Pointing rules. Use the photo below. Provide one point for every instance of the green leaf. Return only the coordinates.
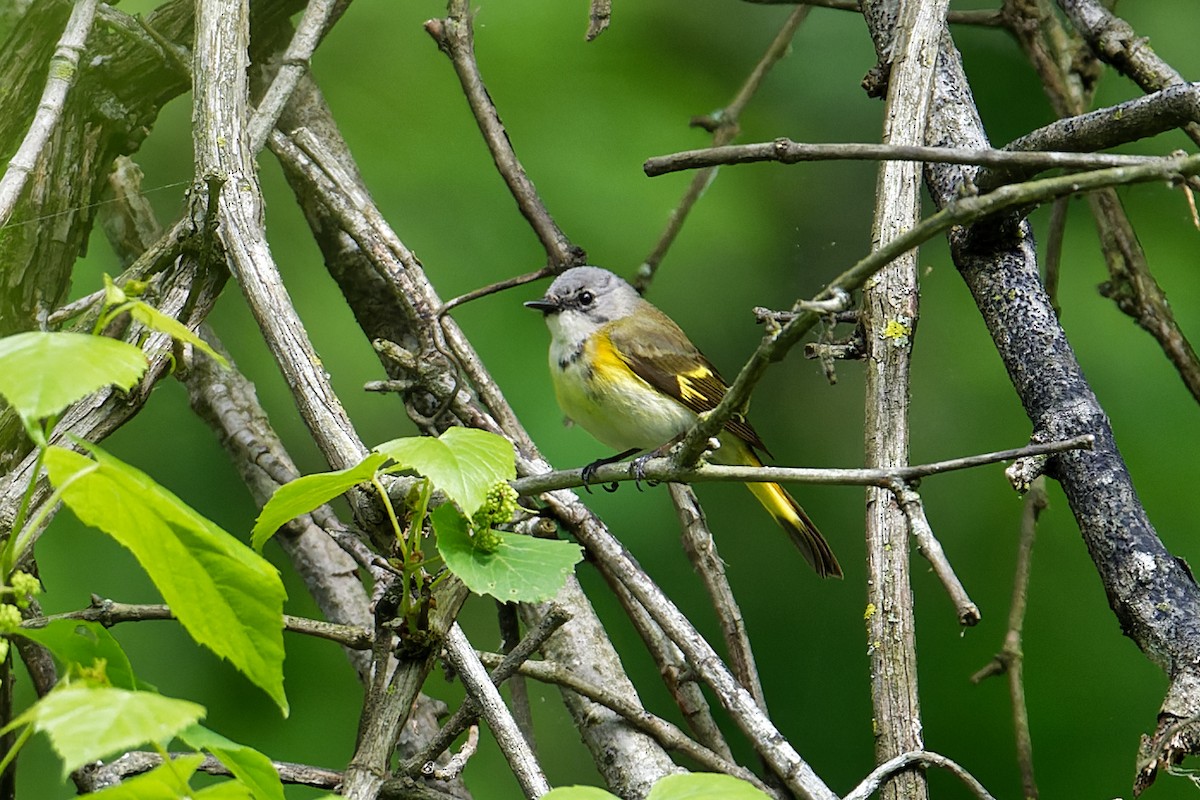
(85, 645)
(514, 568)
(229, 790)
(248, 765)
(462, 462)
(579, 793)
(86, 723)
(307, 493)
(42, 373)
(226, 596)
(704, 786)
(154, 319)
(164, 782)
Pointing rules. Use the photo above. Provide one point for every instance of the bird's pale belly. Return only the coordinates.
(618, 408)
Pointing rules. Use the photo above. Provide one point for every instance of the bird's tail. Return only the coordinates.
(783, 507)
(804, 534)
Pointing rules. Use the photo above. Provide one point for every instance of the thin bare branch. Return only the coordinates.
(958, 212)
(504, 728)
(872, 782)
(982, 17)
(64, 67)
(679, 678)
(724, 127)
(1011, 658)
(698, 543)
(138, 762)
(423, 762)
(785, 151)
(664, 469)
(294, 64)
(739, 703)
(599, 16)
(665, 733)
(456, 38)
(109, 613)
(929, 547)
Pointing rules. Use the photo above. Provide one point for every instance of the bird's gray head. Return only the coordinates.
(588, 293)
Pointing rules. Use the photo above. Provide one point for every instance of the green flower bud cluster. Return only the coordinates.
(498, 507)
(24, 586)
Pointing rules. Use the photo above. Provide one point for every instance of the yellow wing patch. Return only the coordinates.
(695, 387)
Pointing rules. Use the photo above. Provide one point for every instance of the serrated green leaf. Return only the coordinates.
(229, 790)
(462, 462)
(164, 782)
(85, 644)
(704, 786)
(154, 319)
(519, 568)
(307, 493)
(42, 373)
(248, 765)
(579, 793)
(229, 598)
(86, 723)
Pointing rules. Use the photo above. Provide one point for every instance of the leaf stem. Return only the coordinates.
(10, 548)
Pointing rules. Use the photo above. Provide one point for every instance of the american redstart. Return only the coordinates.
(631, 377)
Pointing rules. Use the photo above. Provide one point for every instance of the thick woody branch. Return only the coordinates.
(293, 65)
(982, 17)
(890, 311)
(224, 162)
(1153, 597)
(227, 402)
(1173, 107)
(1118, 44)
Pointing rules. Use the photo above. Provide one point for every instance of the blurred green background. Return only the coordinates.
(583, 117)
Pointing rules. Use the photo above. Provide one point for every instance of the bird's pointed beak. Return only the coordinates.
(547, 305)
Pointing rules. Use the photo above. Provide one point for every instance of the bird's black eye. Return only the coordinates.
(586, 298)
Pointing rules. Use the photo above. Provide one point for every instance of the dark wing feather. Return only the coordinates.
(660, 353)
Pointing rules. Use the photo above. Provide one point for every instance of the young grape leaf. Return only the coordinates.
(86, 645)
(579, 793)
(512, 568)
(164, 782)
(307, 493)
(462, 462)
(248, 765)
(229, 598)
(229, 790)
(41, 373)
(704, 786)
(154, 319)
(86, 723)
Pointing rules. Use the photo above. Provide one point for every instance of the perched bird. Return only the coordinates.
(631, 377)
